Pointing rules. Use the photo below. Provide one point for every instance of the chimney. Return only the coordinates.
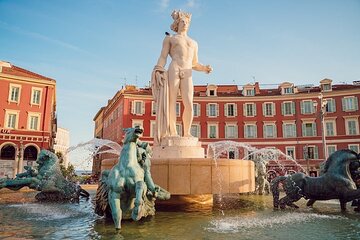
(257, 88)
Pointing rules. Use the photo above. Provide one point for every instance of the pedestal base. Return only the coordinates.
(178, 147)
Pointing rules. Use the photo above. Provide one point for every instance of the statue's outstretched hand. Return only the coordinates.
(208, 69)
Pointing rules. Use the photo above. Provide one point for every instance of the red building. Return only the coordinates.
(288, 117)
(27, 117)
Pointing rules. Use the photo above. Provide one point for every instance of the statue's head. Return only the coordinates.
(46, 158)
(181, 20)
(132, 134)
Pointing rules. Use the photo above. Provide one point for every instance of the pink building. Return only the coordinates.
(287, 117)
(27, 117)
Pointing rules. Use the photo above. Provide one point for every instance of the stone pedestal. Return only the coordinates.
(178, 147)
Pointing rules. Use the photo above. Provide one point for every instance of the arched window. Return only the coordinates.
(30, 153)
(8, 152)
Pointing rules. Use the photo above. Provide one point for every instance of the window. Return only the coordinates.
(137, 123)
(307, 107)
(350, 104)
(179, 129)
(268, 109)
(196, 109)
(212, 131)
(351, 127)
(11, 119)
(330, 105)
(288, 108)
(250, 92)
(233, 153)
(250, 131)
(288, 90)
(231, 131)
(34, 121)
(309, 129)
(331, 149)
(178, 109)
(212, 110)
(269, 131)
(354, 147)
(250, 109)
(230, 110)
(36, 96)
(137, 107)
(289, 130)
(311, 152)
(290, 151)
(153, 108)
(212, 93)
(14, 93)
(195, 130)
(326, 87)
(330, 128)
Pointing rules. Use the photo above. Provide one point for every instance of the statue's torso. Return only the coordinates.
(182, 49)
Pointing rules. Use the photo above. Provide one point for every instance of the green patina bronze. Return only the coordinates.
(336, 182)
(128, 190)
(46, 178)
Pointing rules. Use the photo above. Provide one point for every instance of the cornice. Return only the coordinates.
(20, 79)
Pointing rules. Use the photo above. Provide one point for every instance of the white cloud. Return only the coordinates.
(42, 37)
(164, 4)
(191, 3)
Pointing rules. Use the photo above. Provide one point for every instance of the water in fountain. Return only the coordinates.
(82, 154)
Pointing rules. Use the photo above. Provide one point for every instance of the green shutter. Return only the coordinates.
(302, 107)
(283, 109)
(314, 129)
(356, 103)
(343, 104)
(303, 130)
(316, 152)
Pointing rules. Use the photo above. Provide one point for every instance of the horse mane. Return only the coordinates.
(332, 158)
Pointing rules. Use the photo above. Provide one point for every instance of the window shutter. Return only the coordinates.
(343, 104)
(314, 129)
(132, 103)
(235, 109)
(302, 107)
(226, 109)
(142, 107)
(264, 109)
(293, 107)
(283, 109)
(305, 153)
(236, 131)
(283, 129)
(244, 110)
(264, 131)
(316, 152)
(254, 109)
(198, 109)
(255, 131)
(356, 103)
(226, 131)
(274, 109)
(207, 109)
(217, 109)
(303, 130)
(198, 130)
(293, 129)
(275, 131)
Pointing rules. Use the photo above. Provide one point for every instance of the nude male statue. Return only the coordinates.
(184, 54)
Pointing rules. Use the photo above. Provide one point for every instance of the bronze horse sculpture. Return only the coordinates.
(128, 190)
(335, 183)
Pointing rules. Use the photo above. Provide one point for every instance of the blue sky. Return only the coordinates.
(90, 47)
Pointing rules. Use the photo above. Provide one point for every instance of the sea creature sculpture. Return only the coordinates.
(262, 185)
(127, 190)
(335, 183)
(46, 178)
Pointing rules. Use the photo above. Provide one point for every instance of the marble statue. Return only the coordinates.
(127, 190)
(46, 178)
(262, 185)
(335, 183)
(166, 84)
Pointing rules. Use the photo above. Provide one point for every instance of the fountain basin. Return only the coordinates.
(192, 176)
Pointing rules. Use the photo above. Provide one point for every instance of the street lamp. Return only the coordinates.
(323, 103)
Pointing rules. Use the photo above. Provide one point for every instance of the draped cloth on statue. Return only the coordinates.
(160, 92)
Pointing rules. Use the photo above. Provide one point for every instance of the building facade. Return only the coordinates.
(27, 117)
(62, 144)
(290, 118)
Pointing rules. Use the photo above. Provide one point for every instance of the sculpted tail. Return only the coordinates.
(274, 187)
(101, 203)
